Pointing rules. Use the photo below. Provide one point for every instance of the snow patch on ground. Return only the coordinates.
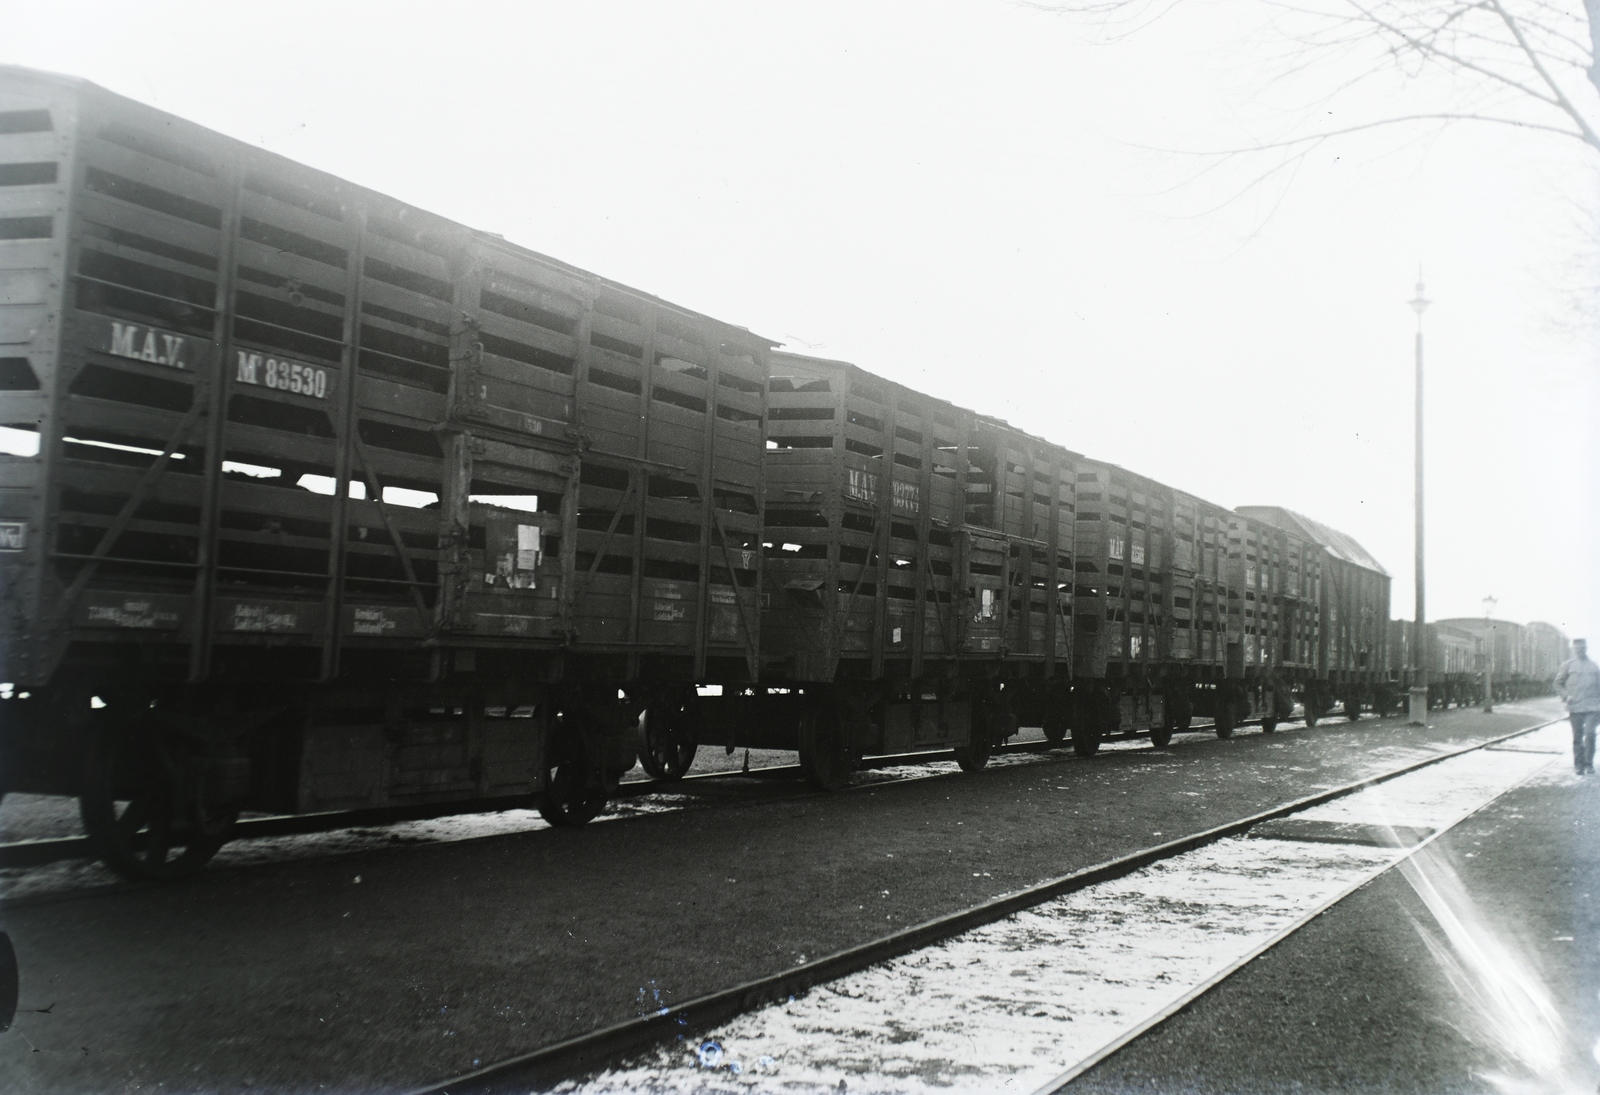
(58, 815)
(1018, 1003)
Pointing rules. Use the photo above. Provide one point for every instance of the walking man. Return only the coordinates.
(1578, 682)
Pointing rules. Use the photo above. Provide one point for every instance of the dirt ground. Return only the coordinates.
(385, 969)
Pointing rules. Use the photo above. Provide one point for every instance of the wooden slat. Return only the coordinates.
(287, 264)
(401, 400)
(167, 176)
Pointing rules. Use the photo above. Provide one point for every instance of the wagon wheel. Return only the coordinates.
(1055, 726)
(1312, 705)
(825, 755)
(1175, 714)
(1090, 725)
(975, 754)
(144, 809)
(1182, 710)
(1269, 724)
(668, 745)
(993, 721)
(1161, 732)
(1352, 708)
(567, 799)
(1282, 706)
(1225, 718)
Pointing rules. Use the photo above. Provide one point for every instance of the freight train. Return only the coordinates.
(1521, 658)
(317, 501)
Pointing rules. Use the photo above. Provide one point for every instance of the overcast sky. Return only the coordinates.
(997, 205)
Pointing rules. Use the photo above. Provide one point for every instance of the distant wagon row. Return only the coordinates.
(1520, 659)
(333, 503)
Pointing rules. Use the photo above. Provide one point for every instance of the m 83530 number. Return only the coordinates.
(281, 375)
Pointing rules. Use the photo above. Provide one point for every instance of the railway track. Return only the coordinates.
(43, 851)
(588, 1054)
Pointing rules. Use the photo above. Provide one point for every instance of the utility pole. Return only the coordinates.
(1419, 645)
(1488, 655)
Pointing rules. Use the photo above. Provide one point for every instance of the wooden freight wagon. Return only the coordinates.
(1522, 659)
(329, 502)
(1179, 605)
(1457, 667)
(1133, 653)
(917, 584)
(1351, 593)
(1453, 657)
(1200, 563)
(1546, 649)
(1273, 618)
(1525, 657)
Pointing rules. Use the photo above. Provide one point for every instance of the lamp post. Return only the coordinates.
(1488, 656)
(1419, 659)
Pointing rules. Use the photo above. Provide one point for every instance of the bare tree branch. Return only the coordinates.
(1328, 134)
(1451, 58)
(1503, 54)
(1565, 104)
(1592, 9)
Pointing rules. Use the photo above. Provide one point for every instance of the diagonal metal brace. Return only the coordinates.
(752, 656)
(605, 542)
(375, 494)
(1066, 624)
(938, 606)
(844, 617)
(180, 434)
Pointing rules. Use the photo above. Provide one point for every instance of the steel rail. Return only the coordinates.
(37, 852)
(40, 851)
(33, 853)
(587, 1053)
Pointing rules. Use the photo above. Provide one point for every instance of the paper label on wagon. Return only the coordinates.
(268, 618)
(372, 621)
(13, 535)
(139, 342)
(666, 589)
(138, 614)
(282, 375)
(527, 547)
(380, 620)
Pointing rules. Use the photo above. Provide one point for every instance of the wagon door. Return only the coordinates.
(513, 577)
(503, 542)
(982, 562)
